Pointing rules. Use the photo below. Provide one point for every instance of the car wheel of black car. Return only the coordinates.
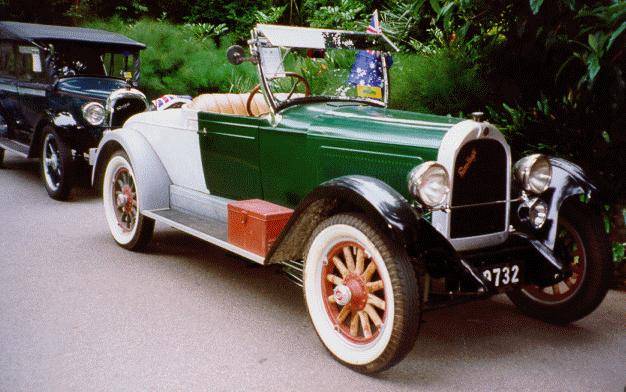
(361, 292)
(129, 227)
(582, 242)
(57, 164)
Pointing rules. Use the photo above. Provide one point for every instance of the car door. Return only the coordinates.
(229, 148)
(8, 86)
(32, 88)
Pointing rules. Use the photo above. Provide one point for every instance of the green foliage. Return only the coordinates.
(178, 61)
(442, 82)
(344, 14)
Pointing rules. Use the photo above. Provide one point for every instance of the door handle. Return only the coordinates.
(203, 132)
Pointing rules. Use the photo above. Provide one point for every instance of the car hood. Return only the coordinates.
(93, 87)
(376, 124)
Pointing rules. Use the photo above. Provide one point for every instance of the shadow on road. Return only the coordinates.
(477, 332)
(29, 170)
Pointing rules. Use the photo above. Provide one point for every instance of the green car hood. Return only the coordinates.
(350, 138)
(371, 124)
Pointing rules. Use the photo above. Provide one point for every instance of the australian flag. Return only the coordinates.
(367, 69)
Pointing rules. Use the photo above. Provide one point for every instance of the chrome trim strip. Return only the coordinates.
(11, 148)
(8, 87)
(31, 91)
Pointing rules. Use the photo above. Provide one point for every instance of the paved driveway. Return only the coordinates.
(79, 313)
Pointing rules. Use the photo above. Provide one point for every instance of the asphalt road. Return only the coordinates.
(79, 313)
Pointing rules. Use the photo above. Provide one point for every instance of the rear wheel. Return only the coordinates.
(129, 228)
(57, 165)
(361, 293)
(581, 242)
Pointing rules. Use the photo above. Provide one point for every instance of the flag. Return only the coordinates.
(367, 69)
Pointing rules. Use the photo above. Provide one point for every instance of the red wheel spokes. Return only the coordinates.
(353, 292)
(125, 199)
(568, 248)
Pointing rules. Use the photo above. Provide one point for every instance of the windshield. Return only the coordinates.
(304, 64)
(329, 74)
(89, 61)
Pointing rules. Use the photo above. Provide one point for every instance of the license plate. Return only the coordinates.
(503, 275)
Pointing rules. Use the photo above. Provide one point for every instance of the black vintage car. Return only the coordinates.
(60, 88)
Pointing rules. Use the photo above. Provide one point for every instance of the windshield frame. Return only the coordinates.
(257, 42)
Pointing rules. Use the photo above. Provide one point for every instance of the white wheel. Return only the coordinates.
(353, 285)
(121, 207)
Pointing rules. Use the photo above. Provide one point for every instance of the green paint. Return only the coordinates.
(247, 157)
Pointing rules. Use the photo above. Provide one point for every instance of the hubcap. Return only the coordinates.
(51, 162)
(354, 293)
(570, 250)
(342, 294)
(125, 197)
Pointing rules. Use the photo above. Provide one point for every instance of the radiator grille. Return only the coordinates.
(479, 176)
(123, 108)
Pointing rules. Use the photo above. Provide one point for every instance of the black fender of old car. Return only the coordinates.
(569, 182)
(392, 213)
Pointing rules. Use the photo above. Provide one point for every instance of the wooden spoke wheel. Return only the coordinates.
(120, 192)
(361, 293)
(354, 292)
(569, 248)
(582, 244)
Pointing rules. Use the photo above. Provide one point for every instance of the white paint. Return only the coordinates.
(173, 134)
(356, 354)
(451, 144)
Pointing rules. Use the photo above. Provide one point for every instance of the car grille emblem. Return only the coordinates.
(471, 158)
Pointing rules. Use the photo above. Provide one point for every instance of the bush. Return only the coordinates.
(178, 61)
(443, 82)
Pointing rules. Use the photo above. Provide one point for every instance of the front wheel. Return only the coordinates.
(57, 165)
(582, 244)
(361, 293)
(129, 228)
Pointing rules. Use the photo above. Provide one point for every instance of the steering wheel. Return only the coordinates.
(300, 79)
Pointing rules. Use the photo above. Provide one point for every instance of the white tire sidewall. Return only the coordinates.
(122, 237)
(349, 352)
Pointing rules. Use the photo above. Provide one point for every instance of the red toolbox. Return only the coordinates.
(255, 224)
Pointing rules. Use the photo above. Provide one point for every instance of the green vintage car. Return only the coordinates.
(379, 214)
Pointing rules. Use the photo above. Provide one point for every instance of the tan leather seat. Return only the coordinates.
(234, 103)
(229, 104)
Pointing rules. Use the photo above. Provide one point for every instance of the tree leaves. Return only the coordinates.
(535, 6)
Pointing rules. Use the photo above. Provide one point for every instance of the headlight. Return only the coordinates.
(429, 183)
(94, 113)
(534, 173)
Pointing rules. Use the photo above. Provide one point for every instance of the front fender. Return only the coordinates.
(379, 202)
(152, 179)
(568, 180)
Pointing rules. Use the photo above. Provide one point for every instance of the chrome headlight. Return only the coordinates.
(94, 113)
(534, 173)
(429, 183)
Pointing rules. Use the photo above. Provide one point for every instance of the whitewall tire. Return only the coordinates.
(361, 293)
(128, 226)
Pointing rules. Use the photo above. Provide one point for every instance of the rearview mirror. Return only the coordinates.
(234, 54)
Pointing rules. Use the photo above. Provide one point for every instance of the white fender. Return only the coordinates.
(152, 179)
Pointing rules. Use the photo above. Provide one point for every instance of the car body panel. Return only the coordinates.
(173, 135)
(283, 160)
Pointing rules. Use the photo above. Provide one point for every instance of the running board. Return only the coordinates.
(16, 147)
(207, 229)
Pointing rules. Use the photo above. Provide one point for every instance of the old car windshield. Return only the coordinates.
(88, 61)
(329, 74)
(300, 64)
